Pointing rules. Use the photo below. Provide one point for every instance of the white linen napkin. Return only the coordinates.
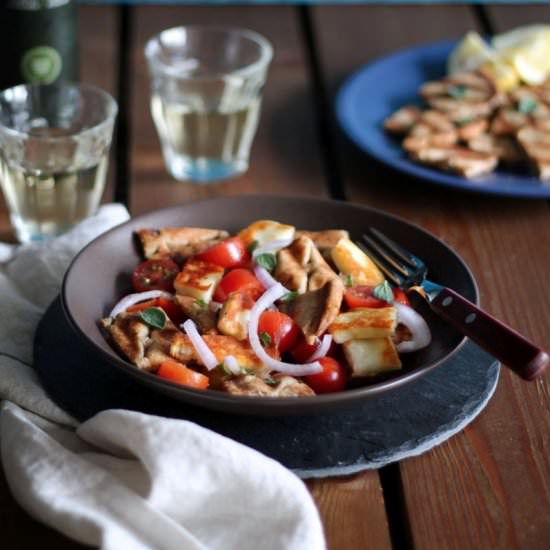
(126, 480)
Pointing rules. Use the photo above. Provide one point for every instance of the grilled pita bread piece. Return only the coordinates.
(402, 120)
(460, 160)
(178, 241)
(504, 147)
(508, 121)
(414, 143)
(472, 129)
(536, 145)
(315, 310)
(465, 96)
(200, 312)
(283, 386)
(301, 267)
(132, 337)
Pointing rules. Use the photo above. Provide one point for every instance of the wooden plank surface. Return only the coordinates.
(489, 486)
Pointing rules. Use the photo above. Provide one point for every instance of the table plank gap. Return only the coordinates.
(398, 520)
(483, 18)
(124, 88)
(353, 512)
(323, 107)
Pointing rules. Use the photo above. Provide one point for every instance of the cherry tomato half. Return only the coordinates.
(174, 312)
(361, 296)
(229, 254)
(238, 280)
(302, 351)
(400, 296)
(332, 378)
(180, 374)
(155, 275)
(283, 331)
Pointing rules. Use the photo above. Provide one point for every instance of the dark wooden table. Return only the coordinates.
(489, 486)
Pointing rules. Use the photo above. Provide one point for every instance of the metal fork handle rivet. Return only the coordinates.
(470, 318)
(447, 301)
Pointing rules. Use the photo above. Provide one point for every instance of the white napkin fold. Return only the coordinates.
(126, 480)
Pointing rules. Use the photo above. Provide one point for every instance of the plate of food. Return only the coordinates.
(473, 114)
(253, 305)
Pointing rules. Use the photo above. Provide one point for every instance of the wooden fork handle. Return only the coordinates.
(508, 346)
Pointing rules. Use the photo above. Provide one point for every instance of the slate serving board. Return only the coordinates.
(388, 428)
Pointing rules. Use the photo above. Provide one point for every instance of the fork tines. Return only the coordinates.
(393, 260)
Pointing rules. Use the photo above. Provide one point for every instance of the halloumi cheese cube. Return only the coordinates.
(234, 316)
(198, 279)
(363, 323)
(371, 357)
(265, 231)
(352, 261)
(180, 348)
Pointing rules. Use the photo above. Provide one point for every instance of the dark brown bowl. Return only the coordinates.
(100, 275)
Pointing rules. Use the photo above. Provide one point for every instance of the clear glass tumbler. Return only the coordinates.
(206, 91)
(54, 148)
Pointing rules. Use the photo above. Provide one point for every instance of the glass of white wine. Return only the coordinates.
(206, 91)
(54, 148)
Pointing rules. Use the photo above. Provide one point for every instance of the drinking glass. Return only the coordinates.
(54, 147)
(206, 91)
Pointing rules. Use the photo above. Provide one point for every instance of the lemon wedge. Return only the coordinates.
(527, 50)
(471, 53)
(503, 74)
(518, 37)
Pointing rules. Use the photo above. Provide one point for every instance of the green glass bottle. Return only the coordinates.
(38, 40)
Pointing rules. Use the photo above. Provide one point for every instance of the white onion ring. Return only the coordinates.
(133, 299)
(271, 246)
(267, 299)
(322, 350)
(201, 347)
(231, 363)
(421, 335)
(265, 278)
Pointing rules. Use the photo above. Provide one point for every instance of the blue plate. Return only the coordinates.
(379, 89)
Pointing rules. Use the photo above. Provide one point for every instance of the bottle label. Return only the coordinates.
(41, 65)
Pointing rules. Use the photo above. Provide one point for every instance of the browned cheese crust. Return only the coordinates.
(178, 241)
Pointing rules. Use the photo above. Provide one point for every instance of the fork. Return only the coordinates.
(406, 270)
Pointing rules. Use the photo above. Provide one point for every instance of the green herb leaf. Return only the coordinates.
(527, 105)
(457, 91)
(154, 317)
(245, 371)
(222, 368)
(267, 261)
(384, 292)
(252, 246)
(265, 338)
(289, 296)
(348, 280)
(201, 303)
(270, 381)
